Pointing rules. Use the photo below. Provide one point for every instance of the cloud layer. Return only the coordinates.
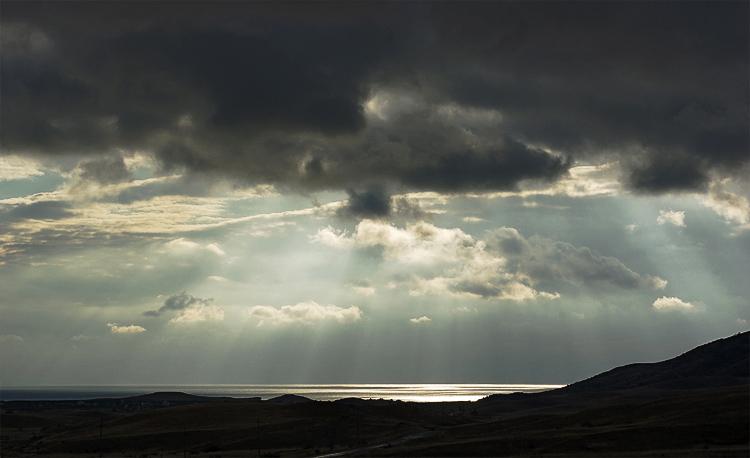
(446, 96)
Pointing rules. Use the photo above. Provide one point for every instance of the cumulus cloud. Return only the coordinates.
(421, 319)
(503, 265)
(336, 98)
(546, 260)
(304, 313)
(132, 329)
(733, 207)
(420, 242)
(665, 303)
(482, 276)
(191, 309)
(200, 311)
(183, 245)
(331, 237)
(672, 217)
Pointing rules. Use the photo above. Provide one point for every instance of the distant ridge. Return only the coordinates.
(718, 364)
(288, 399)
(173, 396)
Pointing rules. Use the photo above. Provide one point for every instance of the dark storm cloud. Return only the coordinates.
(581, 76)
(376, 202)
(105, 170)
(177, 302)
(669, 175)
(277, 92)
(372, 203)
(500, 169)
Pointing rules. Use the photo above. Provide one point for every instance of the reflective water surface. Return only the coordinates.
(404, 392)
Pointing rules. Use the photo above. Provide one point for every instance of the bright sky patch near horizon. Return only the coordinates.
(369, 192)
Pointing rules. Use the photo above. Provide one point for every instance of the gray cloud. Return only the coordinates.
(280, 93)
(496, 170)
(375, 202)
(544, 260)
(44, 210)
(670, 175)
(105, 170)
(178, 302)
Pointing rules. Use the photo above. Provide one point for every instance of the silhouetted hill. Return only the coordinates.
(174, 396)
(288, 399)
(717, 364)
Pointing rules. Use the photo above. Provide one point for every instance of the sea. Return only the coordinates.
(397, 392)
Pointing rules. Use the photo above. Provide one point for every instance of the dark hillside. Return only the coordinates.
(717, 364)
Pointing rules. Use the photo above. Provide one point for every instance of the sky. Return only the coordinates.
(369, 192)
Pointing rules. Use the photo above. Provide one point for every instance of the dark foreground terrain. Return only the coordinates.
(696, 404)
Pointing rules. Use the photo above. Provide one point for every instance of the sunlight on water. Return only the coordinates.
(395, 392)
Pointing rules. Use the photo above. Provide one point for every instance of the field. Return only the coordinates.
(711, 423)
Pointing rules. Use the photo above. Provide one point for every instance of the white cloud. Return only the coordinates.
(18, 168)
(671, 217)
(364, 290)
(471, 219)
(81, 338)
(330, 237)
(215, 248)
(732, 207)
(132, 329)
(421, 242)
(631, 227)
(422, 319)
(7, 338)
(483, 276)
(200, 311)
(304, 312)
(672, 303)
(183, 245)
(504, 266)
